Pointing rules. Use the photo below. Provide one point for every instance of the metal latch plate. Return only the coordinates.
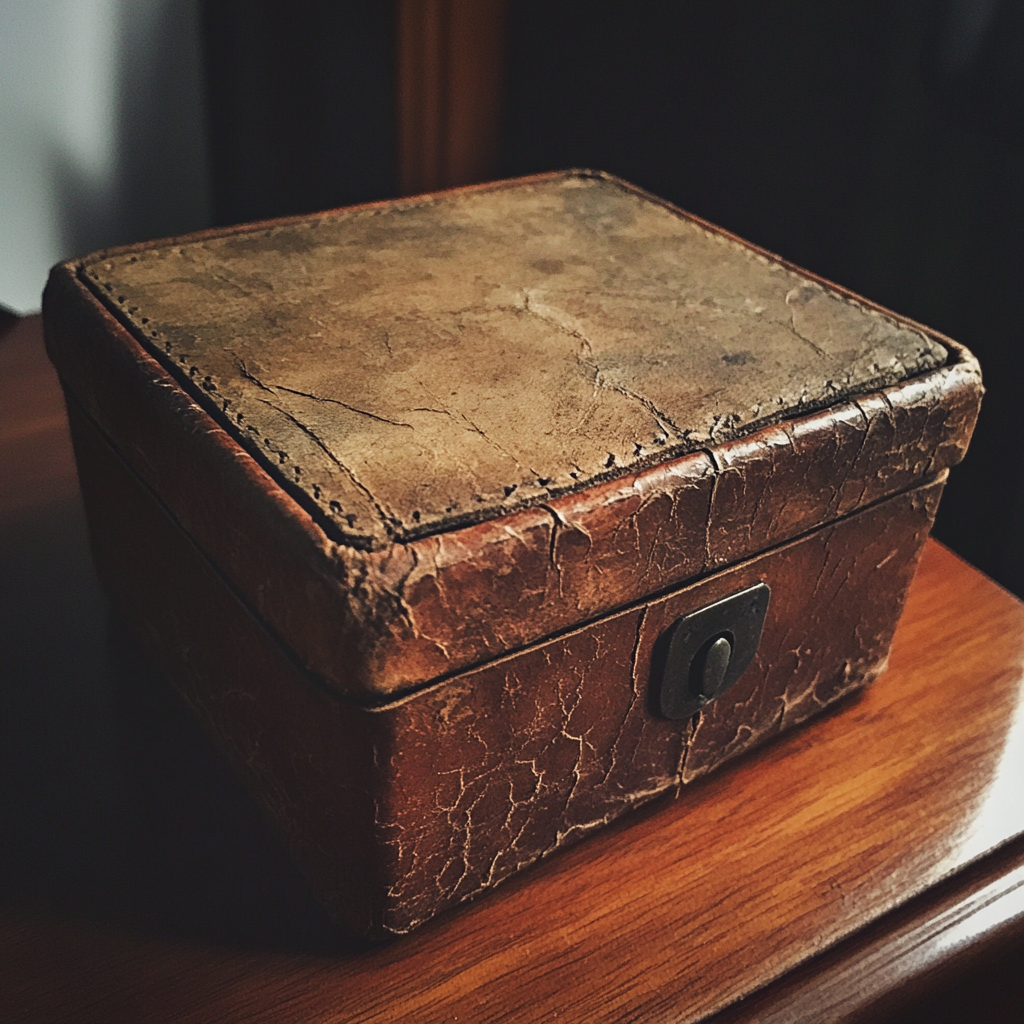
(708, 650)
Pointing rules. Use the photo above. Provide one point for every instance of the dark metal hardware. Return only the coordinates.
(709, 649)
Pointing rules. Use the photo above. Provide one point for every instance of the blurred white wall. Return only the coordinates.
(102, 131)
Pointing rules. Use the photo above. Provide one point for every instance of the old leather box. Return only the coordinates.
(409, 496)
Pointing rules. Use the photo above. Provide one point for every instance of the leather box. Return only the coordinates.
(416, 503)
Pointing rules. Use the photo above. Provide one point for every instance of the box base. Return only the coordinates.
(399, 811)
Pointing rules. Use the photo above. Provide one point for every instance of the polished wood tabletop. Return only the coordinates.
(847, 871)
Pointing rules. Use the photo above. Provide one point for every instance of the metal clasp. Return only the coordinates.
(709, 649)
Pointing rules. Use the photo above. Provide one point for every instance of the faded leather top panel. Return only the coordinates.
(415, 365)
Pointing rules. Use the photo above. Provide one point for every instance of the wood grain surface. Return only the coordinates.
(951, 955)
(450, 57)
(37, 466)
(673, 916)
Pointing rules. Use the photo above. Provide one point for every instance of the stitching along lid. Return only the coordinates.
(419, 365)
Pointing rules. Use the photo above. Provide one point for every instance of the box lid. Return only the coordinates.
(415, 366)
(527, 354)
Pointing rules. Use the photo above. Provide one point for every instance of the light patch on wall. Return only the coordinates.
(102, 131)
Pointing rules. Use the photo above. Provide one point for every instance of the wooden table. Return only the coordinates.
(869, 862)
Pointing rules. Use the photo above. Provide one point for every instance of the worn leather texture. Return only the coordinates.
(400, 811)
(413, 366)
(380, 614)
(405, 498)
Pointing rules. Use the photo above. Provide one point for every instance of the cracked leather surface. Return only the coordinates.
(536, 752)
(401, 811)
(375, 623)
(432, 705)
(416, 365)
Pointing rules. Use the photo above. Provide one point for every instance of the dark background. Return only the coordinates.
(880, 145)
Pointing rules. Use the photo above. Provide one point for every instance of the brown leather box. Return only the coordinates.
(416, 502)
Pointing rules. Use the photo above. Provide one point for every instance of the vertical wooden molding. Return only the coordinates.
(450, 66)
